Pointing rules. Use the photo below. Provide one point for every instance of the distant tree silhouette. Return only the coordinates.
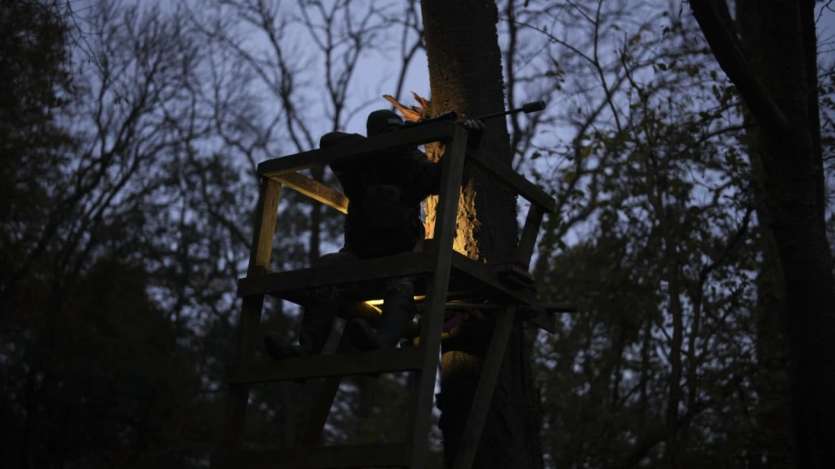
(770, 53)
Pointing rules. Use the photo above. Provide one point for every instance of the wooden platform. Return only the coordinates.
(364, 279)
(440, 273)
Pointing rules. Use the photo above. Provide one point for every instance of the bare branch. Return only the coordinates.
(715, 21)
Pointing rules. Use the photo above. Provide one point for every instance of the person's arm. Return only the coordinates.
(428, 174)
(425, 174)
(345, 141)
(475, 128)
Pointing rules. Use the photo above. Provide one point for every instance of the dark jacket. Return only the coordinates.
(384, 190)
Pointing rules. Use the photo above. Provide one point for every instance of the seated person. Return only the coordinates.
(385, 191)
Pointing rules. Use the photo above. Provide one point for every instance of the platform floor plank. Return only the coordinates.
(324, 457)
(468, 278)
(321, 366)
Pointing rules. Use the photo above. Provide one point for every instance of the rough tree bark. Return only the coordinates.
(466, 76)
(773, 63)
(773, 444)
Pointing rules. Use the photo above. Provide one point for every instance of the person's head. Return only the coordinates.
(339, 138)
(382, 121)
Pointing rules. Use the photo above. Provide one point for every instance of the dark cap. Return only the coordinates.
(339, 138)
(382, 121)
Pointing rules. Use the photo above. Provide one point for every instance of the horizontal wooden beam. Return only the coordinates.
(321, 366)
(469, 278)
(314, 189)
(336, 457)
(339, 273)
(517, 182)
(409, 136)
(483, 277)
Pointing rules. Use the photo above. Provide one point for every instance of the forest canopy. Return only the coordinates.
(130, 134)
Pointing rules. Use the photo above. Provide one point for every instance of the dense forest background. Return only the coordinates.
(129, 135)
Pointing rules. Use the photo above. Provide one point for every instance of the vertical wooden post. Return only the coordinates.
(325, 391)
(495, 353)
(259, 260)
(433, 318)
(523, 253)
(484, 391)
(527, 242)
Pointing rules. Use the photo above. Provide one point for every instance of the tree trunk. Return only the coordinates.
(779, 37)
(773, 446)
(775, 71)
(773, 443)
(465, 76)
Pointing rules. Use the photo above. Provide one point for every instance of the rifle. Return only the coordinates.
(527, 108)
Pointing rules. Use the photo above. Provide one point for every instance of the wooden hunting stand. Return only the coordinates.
(440, 273)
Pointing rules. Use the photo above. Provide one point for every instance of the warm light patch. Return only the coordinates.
(376, 304)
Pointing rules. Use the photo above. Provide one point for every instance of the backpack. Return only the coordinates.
(389, 224)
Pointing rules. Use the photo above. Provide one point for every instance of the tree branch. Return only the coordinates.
(714, 20)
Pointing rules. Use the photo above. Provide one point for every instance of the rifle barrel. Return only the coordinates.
(527, 108)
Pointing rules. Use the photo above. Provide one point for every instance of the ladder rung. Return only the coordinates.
(320, 366)
(355, 456)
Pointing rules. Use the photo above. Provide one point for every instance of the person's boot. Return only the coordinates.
(311, 342)
(398, 310)
(317, 321)
(362, 335)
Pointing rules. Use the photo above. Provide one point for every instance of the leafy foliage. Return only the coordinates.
(129, 136)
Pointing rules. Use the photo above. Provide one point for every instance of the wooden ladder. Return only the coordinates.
(439, 272)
